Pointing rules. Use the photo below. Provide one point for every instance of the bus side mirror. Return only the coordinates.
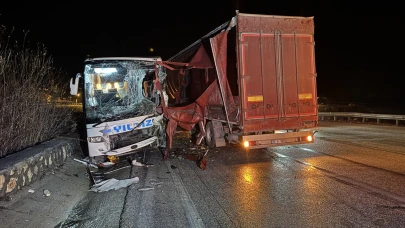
(74, 87)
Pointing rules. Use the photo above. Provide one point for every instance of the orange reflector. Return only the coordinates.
(249, 143)
(309, 138)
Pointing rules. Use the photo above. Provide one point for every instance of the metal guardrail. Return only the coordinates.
(364, 116)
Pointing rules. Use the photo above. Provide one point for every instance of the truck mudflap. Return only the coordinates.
(277, 139)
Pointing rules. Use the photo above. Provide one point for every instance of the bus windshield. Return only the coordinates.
(118, 89)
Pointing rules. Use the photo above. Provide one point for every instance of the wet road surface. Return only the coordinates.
(352, 176)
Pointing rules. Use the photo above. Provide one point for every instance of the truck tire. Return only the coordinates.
(209, 135)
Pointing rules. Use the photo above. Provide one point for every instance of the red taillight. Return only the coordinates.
(249, 143)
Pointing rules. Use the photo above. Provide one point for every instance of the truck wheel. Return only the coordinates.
(209, 135)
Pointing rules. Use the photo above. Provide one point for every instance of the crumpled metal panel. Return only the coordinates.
(219, 46)
(217, 93)
(197, 62)
(200, 60)
(186, 116)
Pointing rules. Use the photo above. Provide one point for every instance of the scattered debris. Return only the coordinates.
(136, 163)
(202, 163)
(194, 153)
(95, 177)
(85, 163)
(106, 164)
(31, 190)
(145, 189)
(113, 184)
(76, 175)
(155, 182)
(117, 169)
(164, 178)
(98, 177)
(199, 159)
(47, 193)
(173, 167)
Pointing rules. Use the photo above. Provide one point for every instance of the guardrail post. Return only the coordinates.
(364, 119)
(378, 121)
(334, 118)
(396, 122)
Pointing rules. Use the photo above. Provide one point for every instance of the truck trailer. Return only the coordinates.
(252, 81)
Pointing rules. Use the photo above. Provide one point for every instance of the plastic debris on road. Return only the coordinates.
(145, 189)
(47, 193)
(155, 182)
(113, 184)
(136, 163)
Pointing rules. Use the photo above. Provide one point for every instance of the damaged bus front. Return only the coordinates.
(120, 106)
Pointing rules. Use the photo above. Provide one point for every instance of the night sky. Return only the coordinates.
(359, 47)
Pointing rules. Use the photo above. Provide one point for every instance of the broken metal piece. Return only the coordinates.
(202, 163)
(202, 133)
(85, 163)
(95, 177)
(200, 160)
(117, 169)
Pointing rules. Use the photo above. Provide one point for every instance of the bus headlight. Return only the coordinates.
(96, 139)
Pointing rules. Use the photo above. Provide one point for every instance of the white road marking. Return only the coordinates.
(191, 212)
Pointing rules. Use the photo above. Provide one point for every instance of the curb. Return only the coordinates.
(27, 166)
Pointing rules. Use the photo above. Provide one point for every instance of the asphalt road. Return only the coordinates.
(352, 176)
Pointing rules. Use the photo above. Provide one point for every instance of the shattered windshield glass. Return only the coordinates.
(118, 89)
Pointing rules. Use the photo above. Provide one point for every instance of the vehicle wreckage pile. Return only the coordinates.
(251, 82)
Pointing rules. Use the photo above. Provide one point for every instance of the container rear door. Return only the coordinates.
(305, 73)
(278, 75)
(253, 69)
